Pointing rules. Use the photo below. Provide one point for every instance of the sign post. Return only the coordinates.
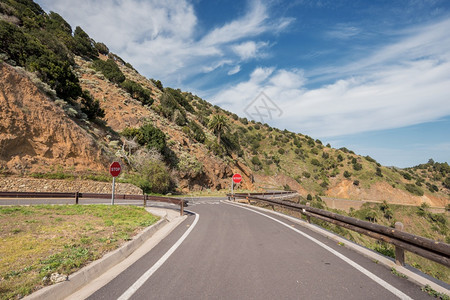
(114, 170)
(235, 179)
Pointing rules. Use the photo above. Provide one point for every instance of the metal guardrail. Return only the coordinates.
(77, 195)
(271, 193)
(430, 249)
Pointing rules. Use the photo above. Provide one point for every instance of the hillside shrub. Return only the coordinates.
(422, 210)
(243, 121)
(57, 23)
(356, 182)
(101, 48)
(378, 172)
(91, 107)
(153, 177)
(315, 162)
(281, 151)
(347, 174)
(110, 69)
(414, 189)
(172, 110)
(190, 165)
(314, 151)
(231, 142)
(357, 167)
(406, 175)
(147, 135)
(180, 99)
(433, 188)
(446, 182)
(345, 150)
(257, 163)
(197, 132)
(306, 174)
(216, 148)
(83, 44)
(137, 91)
(325, 155)
(158, 84)
(370, 159)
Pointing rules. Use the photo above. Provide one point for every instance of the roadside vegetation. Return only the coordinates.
(38, 241)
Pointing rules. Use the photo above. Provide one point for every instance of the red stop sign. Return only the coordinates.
(237, 178)
(114, 169)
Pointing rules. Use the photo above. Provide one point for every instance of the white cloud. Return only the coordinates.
(402, 84)
(235, 70)
(161, 38)
(249, 49)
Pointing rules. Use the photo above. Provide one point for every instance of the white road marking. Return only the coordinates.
(366, 272)
(132, 289)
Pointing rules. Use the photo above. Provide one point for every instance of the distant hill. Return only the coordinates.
(69, 105)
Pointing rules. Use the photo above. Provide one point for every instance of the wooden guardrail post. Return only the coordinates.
(399, 252)
(145, 200)
(182, 208)
(308, 217)
(76, 197)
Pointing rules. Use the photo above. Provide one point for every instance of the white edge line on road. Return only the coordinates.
(366, 272)
(132, 289)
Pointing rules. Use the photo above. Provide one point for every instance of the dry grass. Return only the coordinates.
(37, 241)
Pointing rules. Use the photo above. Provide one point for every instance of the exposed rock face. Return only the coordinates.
(36, 134)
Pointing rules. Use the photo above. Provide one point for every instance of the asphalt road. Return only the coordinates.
(231, 252)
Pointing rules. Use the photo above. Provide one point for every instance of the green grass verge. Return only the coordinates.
(37, 241)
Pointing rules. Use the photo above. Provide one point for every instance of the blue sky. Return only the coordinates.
(372, 76)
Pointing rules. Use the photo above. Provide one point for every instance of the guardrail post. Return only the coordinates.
(76, 197)
(182, 208)
(399, 252)
(308, 217)
(145, 200)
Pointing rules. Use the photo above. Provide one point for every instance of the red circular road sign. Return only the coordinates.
(114, 169)
(237, 178)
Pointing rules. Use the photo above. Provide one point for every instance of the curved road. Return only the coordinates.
(230, 252)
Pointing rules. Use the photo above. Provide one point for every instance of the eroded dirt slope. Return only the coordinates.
(35, 134)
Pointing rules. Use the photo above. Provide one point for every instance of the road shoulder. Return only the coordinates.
(413, 275)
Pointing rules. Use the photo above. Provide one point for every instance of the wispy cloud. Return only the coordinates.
(401, 84)
(235, 70)
(249, 49)
(343, 31)
(161, 38)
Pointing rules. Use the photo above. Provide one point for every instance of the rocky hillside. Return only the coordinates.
(69, 105)
(36, 134)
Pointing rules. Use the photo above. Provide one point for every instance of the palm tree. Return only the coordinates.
(218, 125)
